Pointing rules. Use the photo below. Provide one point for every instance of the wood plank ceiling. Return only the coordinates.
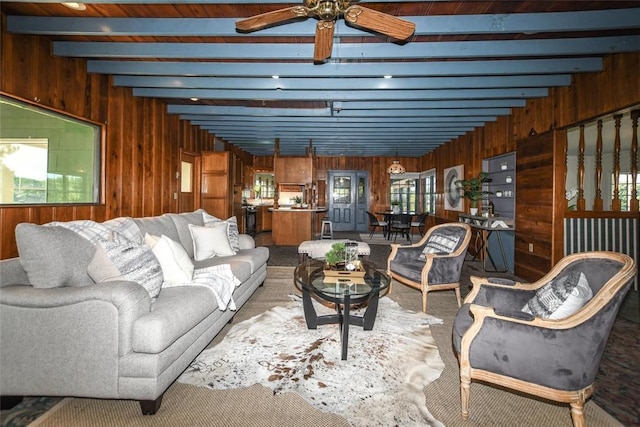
(468, 63)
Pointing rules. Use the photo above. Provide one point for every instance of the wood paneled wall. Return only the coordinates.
(142, 140)
(540, 205)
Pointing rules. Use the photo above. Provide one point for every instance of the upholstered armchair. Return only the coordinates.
(544, 338)
(434, 263)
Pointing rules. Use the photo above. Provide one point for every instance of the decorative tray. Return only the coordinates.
(343, 272)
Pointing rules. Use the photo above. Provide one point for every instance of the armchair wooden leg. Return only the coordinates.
(457, 290)
(465, 387)
(424, 301)
(577, 415)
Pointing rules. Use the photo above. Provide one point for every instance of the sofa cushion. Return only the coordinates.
(560, 298)
(211, 241)
(157, 226)
(136, 262)
(241, 269)
(181, 222)
(233, 233)
(176, 265)
(54, 256)
(175, 312)
(256, 257)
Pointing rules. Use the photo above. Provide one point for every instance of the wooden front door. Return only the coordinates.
(347, 200)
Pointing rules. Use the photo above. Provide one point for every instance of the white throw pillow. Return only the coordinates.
(232, 231)
(176, 265)
(210, 241)
(580, 295)
(560, 298)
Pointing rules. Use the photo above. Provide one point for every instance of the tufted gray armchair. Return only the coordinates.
(437, 269)
(496, 342)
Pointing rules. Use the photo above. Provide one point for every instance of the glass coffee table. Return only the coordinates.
(345, 291)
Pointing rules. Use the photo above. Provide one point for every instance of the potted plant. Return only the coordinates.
(395, 206)
(472, 189)
(335, 256)
(298, 201)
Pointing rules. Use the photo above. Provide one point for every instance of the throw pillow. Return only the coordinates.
(233, 231)
(439, 243)
(210, 241)
(552, 301)
(53, 256)
(102, 269)
(174, 260)
(135, 262)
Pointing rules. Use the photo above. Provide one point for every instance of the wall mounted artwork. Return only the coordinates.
(452, 198)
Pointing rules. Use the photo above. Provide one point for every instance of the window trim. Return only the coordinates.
(100, 151)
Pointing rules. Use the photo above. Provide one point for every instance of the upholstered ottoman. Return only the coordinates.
(318, 248)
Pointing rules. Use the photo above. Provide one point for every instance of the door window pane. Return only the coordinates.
(342, 189)
(186, 177)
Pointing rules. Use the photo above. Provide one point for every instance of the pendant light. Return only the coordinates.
(396, 168)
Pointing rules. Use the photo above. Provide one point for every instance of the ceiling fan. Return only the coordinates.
(327, 11)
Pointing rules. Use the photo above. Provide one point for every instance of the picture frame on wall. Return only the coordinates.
(452, 198)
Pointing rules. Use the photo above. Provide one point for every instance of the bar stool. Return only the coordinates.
(326, 229)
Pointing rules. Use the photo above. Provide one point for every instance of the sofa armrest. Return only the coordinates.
(115, 306)
(246, 241)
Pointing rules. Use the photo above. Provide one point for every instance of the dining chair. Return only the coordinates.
(400, 224)
(374, 223)
(419, 224)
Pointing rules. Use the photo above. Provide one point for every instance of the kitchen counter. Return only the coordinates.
(318, 209)
(293, 226)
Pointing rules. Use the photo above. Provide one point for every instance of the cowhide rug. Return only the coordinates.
(381, 382)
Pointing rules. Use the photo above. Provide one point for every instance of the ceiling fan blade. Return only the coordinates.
(379, 22)
(270, 19)
(324, 41)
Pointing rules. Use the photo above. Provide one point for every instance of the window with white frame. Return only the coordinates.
(428, 191)
(404, 191)
(625, 187)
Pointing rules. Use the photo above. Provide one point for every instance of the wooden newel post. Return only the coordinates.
(616, 203)
(633, 204)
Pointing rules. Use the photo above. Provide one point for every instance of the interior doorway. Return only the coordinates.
(189, 182)
(347, 204)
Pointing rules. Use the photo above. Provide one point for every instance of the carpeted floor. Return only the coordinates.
(185, 405)
(617, 385)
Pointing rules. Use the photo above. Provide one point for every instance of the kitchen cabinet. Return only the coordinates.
(294, 226)
(293, 170)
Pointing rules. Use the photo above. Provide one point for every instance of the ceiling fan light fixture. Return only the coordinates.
(74, 5)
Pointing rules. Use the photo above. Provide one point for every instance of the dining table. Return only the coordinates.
(390, 216)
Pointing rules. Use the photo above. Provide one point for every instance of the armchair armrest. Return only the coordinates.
(477, 283)
(114, 306)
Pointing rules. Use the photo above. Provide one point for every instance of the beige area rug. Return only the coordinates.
(187, 405)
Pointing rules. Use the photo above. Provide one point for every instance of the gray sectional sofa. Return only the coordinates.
(62, 334)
